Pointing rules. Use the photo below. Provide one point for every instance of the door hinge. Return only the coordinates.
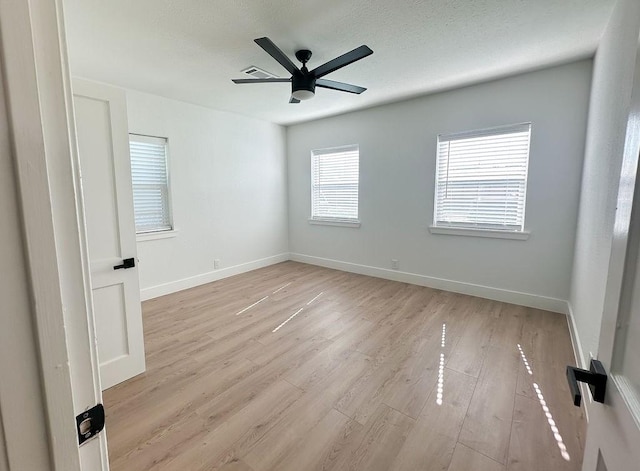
(90, 423)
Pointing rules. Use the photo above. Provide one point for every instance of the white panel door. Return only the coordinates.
(103, 145)
(613, 437)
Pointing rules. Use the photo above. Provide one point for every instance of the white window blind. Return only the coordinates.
(334, 183)
(150, 183)
(481, 178)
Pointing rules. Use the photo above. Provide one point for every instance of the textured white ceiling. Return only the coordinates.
(191, 49)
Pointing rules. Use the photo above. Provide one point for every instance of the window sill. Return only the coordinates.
(334, 222)
(145, 236)
(495, 234)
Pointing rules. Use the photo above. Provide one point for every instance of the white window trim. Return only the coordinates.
(489, 233)
(160, 233)
(335, 222)
(328, 221)
(522, 234)
(154, 235)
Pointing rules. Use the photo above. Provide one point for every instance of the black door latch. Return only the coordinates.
(90, 423)
(126, 263)
(595, 377)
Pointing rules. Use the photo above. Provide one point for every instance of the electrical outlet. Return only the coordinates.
(216, 263)
(395, 264)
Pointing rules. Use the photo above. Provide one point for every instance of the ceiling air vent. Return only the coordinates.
(257, 72)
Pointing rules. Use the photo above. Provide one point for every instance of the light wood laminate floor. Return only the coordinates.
(296, 367)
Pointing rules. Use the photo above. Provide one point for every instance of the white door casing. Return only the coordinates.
(103, 142)
(42, 133)
(613, 437)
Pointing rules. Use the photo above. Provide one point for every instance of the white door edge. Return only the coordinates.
(613, 431)
(40, 113)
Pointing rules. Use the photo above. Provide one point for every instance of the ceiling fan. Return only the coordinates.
(304, 81)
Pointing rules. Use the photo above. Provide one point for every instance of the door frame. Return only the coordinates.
(622, 272)
(44, 148)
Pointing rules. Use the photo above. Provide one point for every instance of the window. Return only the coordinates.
(150, 183)
(481, 179)
(334, 184)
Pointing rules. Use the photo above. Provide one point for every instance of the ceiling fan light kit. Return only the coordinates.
(303, 94)
(303, 81)
(303, 87)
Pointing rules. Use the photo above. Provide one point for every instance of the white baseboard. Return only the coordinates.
(186, 283)
(581, 360)
(496, 294)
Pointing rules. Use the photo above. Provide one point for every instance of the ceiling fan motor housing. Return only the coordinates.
(303, 86)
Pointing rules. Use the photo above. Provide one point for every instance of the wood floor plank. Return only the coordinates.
(551, 380)
(414, 378)
(487, 426)
(319, 449)
(167, 443)
(219, 408)
(334, 356)
(507, 332)
(403, 372)
(131, 428)
(367, 393)
(222, 445)
(468, 356)
(303, 416)
(544, 338)
(378, 443)
(465, 459)
(531, 434)
(349, 383)
(237, 465)
(151, 385)
(434, 436)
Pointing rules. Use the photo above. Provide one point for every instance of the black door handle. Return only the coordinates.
(595, 377)
(126, 263)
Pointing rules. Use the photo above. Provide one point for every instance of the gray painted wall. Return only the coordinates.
(397, 164)
(228, 186)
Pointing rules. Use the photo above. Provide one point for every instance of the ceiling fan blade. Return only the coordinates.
(262, 80)
(343, 87)
(294, 100)
(339, 62)
(275, 52)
